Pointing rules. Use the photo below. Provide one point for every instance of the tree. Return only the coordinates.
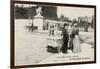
(21, 12)
(62, 17)
(49, 12)
(84, 23)
(65, 19)
(93, 21)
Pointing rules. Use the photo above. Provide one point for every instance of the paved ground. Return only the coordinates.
(30, 48)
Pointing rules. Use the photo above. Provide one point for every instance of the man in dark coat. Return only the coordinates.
(65, 39)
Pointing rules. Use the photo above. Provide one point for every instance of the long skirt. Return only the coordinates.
(76, 44)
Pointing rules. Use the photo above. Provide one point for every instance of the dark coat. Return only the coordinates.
(65, 35)
(64, 47)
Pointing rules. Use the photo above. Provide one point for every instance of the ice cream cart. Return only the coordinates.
(54, 40)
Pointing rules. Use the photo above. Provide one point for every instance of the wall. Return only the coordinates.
(5, 34)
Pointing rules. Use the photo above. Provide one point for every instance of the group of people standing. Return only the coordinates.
(70, 39)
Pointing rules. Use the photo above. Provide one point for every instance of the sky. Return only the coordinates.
(74, 12)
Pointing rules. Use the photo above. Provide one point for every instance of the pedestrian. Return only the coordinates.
(70, 32)
(64, 47)
(76, 41)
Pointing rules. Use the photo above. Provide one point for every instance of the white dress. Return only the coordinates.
(76, 44)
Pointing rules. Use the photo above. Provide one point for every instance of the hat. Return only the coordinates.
(65, 24)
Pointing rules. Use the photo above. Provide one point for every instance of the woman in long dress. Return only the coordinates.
(76, 43)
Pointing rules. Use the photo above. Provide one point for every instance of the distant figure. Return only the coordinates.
(64, 47)
(72, 35)
(76, 41)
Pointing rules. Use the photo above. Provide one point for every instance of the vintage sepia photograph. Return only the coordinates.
(47, 33)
